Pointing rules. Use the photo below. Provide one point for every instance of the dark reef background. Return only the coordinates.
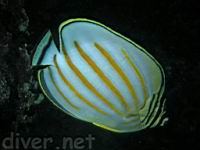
(169, 30)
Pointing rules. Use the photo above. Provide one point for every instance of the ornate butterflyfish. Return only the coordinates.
(97, 75)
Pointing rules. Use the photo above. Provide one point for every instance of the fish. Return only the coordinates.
(97, 75)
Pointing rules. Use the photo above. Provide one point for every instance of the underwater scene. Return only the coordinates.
(97, 75)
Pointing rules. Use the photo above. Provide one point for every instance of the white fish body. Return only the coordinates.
(99, 76)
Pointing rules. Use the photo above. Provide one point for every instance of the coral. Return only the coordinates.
(16, 76)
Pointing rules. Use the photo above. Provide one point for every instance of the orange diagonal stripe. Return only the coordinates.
(139, 76)
(59, 90)
(120, 72)
(100, 73)
(91, 87)
(72, 88)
